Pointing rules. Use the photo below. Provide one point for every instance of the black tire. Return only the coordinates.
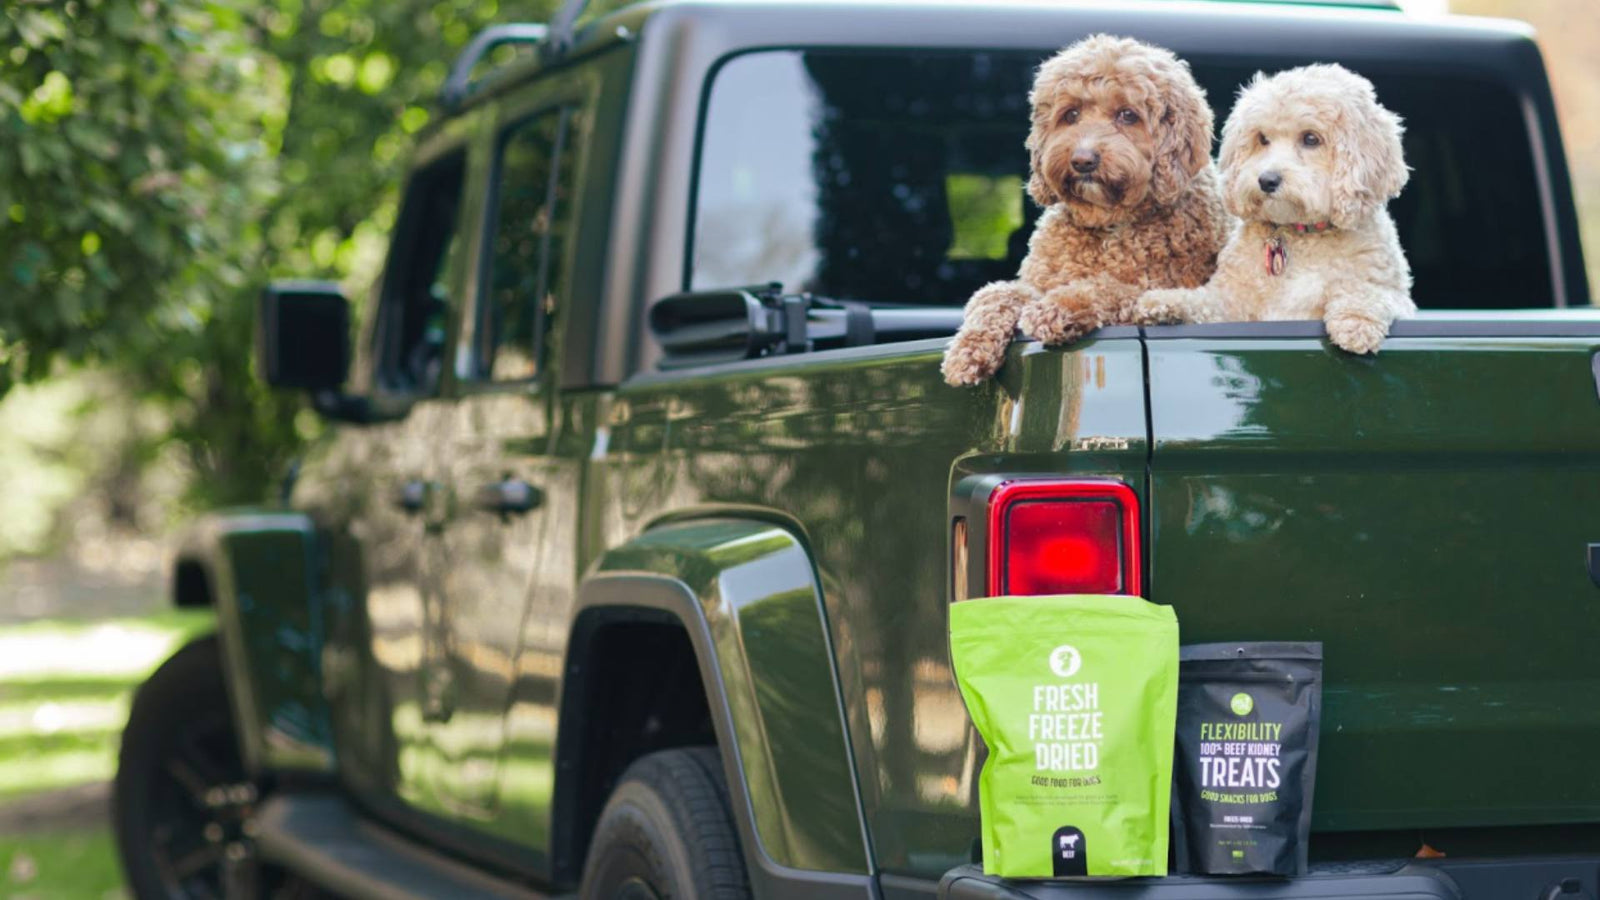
(667, 833)
(180, 796)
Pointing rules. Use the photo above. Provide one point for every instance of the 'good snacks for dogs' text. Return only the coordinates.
(1075, 698)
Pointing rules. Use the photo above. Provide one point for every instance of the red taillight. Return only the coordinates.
(1063, 537)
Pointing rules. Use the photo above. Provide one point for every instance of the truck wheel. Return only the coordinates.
(180, 798)
(667, 833)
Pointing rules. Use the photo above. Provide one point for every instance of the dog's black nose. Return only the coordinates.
(1270, 181)
(1085, 160)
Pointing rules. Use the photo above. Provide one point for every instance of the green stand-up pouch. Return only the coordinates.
(1075, 697)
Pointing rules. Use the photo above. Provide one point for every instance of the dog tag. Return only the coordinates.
(1277, 255)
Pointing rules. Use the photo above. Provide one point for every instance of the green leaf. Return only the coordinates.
(112, 213)
(33, 161)
(92, 138)
(38, 28)
(124, 21)
(27, 263)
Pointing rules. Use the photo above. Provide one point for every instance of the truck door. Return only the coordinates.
(511, 540)
(1426, 514)
(374, 486)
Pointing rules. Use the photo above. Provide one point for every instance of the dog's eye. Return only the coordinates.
(1126, 116)
(1071, 115)
(1262, 139)
(1310, 139)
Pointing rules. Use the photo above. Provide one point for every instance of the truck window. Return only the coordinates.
(897, 177)
(414, 304)
(865, 176)
(529, 230)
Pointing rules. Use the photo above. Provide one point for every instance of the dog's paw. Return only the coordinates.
(1054, 323)
(1159, 307)
(1354, 333)
(971, 358)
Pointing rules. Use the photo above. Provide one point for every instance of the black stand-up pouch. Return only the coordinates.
(1246, 761)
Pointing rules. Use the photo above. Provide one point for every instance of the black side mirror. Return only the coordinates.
(303, 335)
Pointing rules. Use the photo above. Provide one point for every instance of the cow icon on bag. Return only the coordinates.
(1068, 850)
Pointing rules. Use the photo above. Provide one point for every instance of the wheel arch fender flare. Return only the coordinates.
(259, 569)
(746, 593)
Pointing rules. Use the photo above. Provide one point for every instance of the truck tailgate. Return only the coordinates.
(1426, 514)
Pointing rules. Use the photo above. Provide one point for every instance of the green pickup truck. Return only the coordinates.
(624, 567)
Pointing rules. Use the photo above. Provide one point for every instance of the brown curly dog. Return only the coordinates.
(1120, 157)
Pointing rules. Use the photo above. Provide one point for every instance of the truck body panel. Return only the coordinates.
(862, 455)
(260, 568)
(755, 590)
(1426, 519)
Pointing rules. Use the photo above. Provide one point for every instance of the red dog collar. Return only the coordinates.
(1308, 227)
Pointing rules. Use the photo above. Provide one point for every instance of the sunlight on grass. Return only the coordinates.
(22, 776)
(65, 687)
(52, 717)
(117, 647)
(61, 866)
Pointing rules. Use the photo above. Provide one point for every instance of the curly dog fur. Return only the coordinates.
(1331, 156)
(1120, 157)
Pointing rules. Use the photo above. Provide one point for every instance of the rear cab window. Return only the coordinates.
(897, 177)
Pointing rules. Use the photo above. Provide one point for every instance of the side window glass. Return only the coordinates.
(528, 237)
(416, 301)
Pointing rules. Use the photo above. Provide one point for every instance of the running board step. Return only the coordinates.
(322, 839)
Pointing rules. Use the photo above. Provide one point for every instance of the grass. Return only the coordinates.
(65, 865)
(65, 686)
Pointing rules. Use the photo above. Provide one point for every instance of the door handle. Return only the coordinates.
(411, 496)
(509, 496)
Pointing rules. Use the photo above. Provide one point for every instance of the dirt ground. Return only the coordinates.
(82, 806)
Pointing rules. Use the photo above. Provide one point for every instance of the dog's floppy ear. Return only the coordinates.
(1183, 146)
(1039, 187)
(1235, 130)
(1369, 166)
(1041, 98)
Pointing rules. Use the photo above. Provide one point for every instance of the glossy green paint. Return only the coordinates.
(376, 587)
(1425, 515)
(851, 452)
(757, 594)
(1425, 520)
(505, 582)
(506, 585)
(859, 449)
(451, 634)
(260, 565)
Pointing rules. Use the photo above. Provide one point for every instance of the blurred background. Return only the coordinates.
(159, 161)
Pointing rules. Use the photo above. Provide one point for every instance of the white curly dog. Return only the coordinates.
(1309, 161)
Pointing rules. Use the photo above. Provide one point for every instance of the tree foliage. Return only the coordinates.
(161, 159)
(127, 165)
